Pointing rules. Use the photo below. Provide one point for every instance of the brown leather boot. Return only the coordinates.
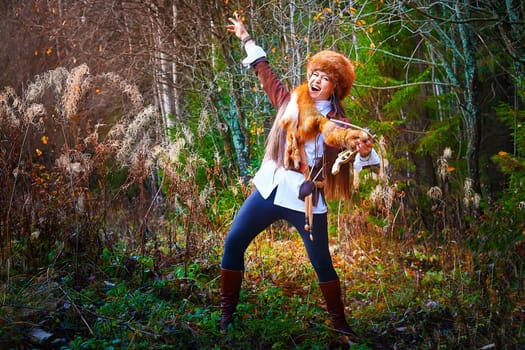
(230, 288)
(334, 305)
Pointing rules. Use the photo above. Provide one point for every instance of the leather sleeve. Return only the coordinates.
(274, 88)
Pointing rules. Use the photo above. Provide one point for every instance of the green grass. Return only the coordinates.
(396, 298)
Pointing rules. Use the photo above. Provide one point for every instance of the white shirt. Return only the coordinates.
(372, 159)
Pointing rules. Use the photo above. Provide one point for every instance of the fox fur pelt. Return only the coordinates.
(303, 122)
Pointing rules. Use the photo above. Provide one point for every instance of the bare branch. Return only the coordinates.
(401, 85)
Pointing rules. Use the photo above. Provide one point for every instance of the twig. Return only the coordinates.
(384, 295)
(8, 228)
(401, 85)
(8, 279)
(154, 335)
(77, 310)
(122, 324)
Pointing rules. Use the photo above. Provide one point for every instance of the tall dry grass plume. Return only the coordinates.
(387, 199)
(59, 141)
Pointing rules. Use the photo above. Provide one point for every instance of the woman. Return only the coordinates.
(296, 157)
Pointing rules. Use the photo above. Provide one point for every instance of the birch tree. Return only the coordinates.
(453, 33)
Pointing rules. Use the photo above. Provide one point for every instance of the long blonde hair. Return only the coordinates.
(336, 187)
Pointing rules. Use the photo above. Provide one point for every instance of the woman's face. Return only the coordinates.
(320, 86)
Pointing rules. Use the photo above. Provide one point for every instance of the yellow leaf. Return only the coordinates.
(450, 169)
(97, 91)
(502, 153)
(372, 47)
(44, 139)
(353, 11)
(36, 52)
(371, 29)
(49, 51)
(38, 152)
(274, 50)
(254, 89)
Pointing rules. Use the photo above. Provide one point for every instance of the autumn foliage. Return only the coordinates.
(128, 131)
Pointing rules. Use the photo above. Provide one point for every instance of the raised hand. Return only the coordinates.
(237, 27)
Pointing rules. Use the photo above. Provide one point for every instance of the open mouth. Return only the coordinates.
(315, 88)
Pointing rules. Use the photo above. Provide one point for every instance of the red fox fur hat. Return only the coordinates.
(337, 67)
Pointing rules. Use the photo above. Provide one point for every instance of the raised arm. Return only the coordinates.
(277, 93)
(237, 27)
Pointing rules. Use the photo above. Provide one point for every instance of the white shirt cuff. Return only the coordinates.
(370, 160)
(253, 52)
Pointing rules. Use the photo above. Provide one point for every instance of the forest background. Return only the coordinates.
(129, 131)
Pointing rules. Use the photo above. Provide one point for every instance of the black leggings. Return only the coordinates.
(258, 213)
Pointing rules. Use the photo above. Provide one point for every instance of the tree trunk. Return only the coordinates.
(512, 34)
(231, 116)
(471, 113)
(174, 72)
